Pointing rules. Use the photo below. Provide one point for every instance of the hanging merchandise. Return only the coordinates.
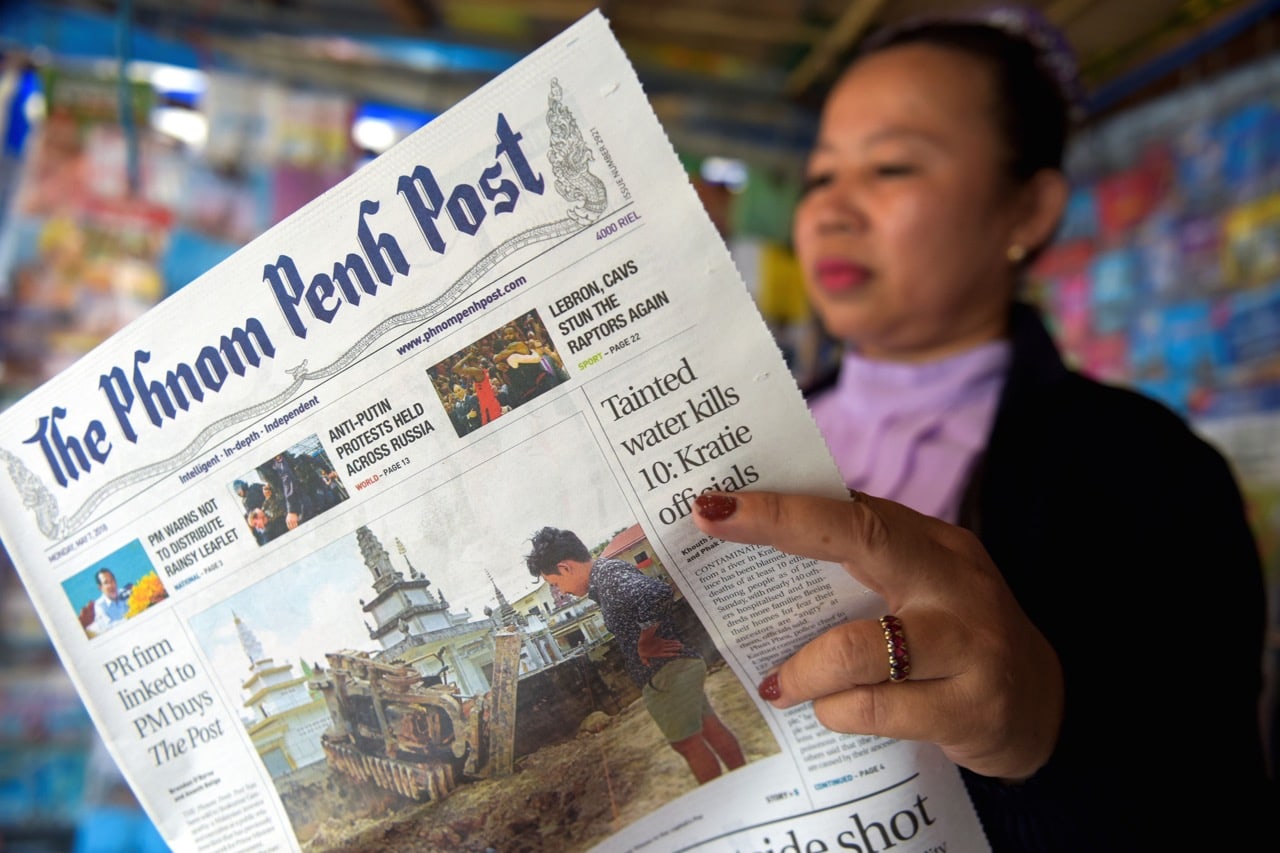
(81, 244)
(1251, 250)
(1165, 276)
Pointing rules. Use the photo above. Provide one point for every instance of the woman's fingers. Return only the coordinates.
(856, 654)
(913, 710)
(984, 683)
(884, 544)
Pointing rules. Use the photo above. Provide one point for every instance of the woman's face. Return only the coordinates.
(907, 218)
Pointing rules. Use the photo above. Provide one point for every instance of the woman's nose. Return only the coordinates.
(838, 206)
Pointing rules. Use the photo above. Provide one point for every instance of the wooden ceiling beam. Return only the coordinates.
(416, 16)
(684, 24)
(1063, 12)
(821, 60)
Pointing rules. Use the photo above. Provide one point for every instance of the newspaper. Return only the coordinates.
(314, 475)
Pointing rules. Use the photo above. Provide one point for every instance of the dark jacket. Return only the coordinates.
(253, 497)
(1124, 537)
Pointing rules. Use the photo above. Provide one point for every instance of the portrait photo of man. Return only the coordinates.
(114, 588)
(110, 608)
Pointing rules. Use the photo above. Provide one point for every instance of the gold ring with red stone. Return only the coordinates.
(896, 643)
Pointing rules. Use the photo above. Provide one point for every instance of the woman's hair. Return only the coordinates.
(1034, 84)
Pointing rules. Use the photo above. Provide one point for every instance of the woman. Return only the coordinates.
(1100, 688)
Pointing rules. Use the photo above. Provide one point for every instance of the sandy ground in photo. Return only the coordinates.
(564, 798)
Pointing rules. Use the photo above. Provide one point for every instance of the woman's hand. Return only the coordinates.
(984, 683)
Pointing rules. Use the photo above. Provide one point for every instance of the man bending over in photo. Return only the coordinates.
(637, 610)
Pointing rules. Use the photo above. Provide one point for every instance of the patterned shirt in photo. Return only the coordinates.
(630, 601)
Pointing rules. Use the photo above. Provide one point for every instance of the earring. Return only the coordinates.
(1015, 253)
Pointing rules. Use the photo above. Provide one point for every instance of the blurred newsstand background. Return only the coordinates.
(134, 160)
(117, 190)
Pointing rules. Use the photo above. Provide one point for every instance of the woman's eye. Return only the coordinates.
(893, 170)
(813, 182)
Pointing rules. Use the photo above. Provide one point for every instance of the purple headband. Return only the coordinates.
(1053, 51)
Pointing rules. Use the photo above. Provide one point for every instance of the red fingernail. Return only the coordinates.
(715, 507)
(769, 689)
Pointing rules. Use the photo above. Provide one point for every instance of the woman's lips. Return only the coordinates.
(840, 276)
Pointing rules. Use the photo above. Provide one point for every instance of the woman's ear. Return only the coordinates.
(1044, 199)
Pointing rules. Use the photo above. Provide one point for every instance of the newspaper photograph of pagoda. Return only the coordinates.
(384, 678)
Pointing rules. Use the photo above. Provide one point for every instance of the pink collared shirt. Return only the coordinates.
(910, 432)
